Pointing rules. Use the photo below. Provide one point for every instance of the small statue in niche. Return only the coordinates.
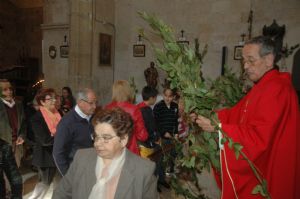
(151, 75)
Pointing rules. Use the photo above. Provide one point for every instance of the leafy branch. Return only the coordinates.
(183, 67)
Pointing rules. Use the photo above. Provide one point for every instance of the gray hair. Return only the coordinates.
(82, 94)
(267, 45)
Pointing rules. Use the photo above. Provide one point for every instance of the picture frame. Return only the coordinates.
(139, 50)
(105, 49)
(238, 53)
(64, 51)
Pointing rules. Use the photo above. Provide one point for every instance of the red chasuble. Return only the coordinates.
(266, 122)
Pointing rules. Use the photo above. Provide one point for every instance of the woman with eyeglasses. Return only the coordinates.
(109, 170)
(43, 124)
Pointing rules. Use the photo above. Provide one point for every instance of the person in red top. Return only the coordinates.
(266, 123)
(122, 97)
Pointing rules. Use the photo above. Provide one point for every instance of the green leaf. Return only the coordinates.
(237, 149)
(192, 162)
(258, 190)
(223, 140)
(213, 143)
(230, 143)
(206, 135)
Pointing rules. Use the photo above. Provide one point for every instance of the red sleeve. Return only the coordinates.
(140, 130)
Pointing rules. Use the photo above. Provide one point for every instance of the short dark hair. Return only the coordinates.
(120, 120)
(173, 91)
(68, 89)
(267, 45)
(148, 92)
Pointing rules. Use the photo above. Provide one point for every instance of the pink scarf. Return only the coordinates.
(51, 119)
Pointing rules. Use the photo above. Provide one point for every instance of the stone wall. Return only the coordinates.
(55, 27)
(82, 22)
(217, 23)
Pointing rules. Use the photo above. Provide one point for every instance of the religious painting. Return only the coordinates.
(238, 52)
(139, 50)
(105, 50)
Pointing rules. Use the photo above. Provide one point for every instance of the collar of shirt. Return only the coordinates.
(81, 114)
(9, 104)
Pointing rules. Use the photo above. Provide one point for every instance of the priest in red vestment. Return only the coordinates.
(266, 123)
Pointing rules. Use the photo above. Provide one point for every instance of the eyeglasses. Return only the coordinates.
(50, 99)
(90, 103)
(104, 138)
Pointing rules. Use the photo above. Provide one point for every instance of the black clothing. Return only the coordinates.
(8, 166)
(166, 118)
(43, 147)
(149, 121)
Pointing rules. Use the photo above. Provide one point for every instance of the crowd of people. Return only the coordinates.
(117, 151)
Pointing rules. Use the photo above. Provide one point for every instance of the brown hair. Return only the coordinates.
(122, 92)
(41, 95)
(120, 120)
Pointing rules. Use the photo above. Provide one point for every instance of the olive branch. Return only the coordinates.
(183, 67)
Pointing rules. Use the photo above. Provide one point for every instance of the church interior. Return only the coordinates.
(93, 43)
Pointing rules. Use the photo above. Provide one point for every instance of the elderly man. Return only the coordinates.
(266, 123)
(74, 130)
(12, 131)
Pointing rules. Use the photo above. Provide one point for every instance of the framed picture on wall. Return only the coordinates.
(105, 49)
(139, 50)
(238, 52)
(64, 51)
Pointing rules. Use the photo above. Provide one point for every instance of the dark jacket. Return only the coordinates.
(166, 118)
(43, 144)
(150, 124)
(5, 129)
(8, 166)
(73, 133)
